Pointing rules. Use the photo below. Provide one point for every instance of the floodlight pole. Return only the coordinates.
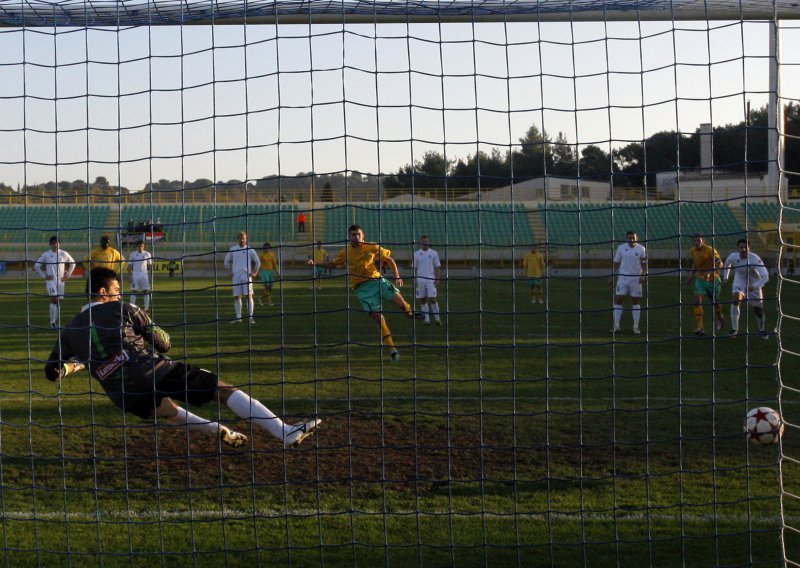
(775, 113)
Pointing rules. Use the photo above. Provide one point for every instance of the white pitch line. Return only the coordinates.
(232, 514)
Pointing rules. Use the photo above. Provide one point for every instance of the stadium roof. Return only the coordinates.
(114, 13)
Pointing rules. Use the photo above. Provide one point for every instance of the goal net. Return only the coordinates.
(546, 192)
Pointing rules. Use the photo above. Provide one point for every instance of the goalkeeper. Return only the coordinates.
(123, 350)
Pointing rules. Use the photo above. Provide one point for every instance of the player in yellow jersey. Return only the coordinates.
(320, 256)
(270, 272)
(104, 256)
(362, 260)
(534, 266)
(705, 273)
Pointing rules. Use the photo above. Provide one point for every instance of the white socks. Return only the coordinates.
(735, 317)
(617, 314)
(133, 299)
(637, 311)
(424, 309)
(194, 422)
(146, 301)
(435, 310)
(54, 313)
(251, 305)
(237, 306)
(250, 408)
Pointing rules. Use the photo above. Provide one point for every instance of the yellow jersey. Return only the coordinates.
(706, 262)
(105, 258)
(362, 262)
(533, 263)
(268, 261)
(320, 255)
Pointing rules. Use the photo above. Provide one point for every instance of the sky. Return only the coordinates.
(235, 102)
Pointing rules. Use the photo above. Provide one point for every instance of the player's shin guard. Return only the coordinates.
(698, 316)
(435, 310)
(735, 317)
(237, 308)
(251, 305)
(424, 309)
(617, 314)
(246, 407)
(637, 312)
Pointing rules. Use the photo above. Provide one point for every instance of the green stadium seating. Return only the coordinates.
(446, 225)
(659, 225)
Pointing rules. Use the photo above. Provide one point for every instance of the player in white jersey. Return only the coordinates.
(243, 262)
(749, 277)
(140, 264)
(630, 266)
(427, 268)
(56, 267)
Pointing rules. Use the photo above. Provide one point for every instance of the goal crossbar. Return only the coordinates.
(100, 13)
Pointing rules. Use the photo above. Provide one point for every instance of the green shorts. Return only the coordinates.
(267, 277)
(712, 289)
(373, 293)
(534, 282)
(320, 270)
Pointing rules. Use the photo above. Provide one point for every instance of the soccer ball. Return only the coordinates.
(764, 426)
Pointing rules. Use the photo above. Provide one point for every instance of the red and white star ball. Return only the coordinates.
(764, 426)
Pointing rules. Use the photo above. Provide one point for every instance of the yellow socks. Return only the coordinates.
(698, 316)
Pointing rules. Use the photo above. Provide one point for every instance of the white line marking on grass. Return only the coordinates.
(232, 514)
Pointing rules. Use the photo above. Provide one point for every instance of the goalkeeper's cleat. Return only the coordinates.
(427, 322)
(699, 331)
(734, 332)
(636, 330)
(252, 321)
(300, 432)
(230, 438)
(438, 322)
(394, 356)
(237, 320)
(615, 329)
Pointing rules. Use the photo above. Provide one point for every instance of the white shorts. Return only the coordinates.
(242, 285)
(425, 288)
(740, 287)
(55, 288)
(140, 282)
(629, 286)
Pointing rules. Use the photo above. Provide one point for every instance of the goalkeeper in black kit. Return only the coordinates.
(124, 351)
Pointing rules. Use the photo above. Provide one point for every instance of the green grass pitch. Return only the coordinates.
(514, 433)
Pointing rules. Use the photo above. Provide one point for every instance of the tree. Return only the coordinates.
(564, 161)
(595, 163)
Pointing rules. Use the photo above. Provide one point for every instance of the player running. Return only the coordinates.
(705, 274)
(427, 273)
(140, 265)
(243, 263)
(630, 266)
(362, 260)
(749, 277)
(123, 350)
(56, 267)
